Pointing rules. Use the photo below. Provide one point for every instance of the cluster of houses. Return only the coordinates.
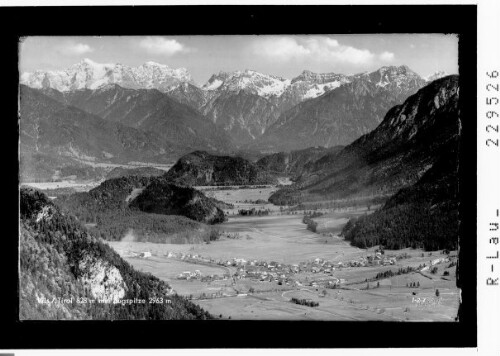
(377, 259)
(278, 272)
(260, 270)
(190, 275)
(330, 282)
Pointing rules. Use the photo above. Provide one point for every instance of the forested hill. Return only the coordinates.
(60, 259)
(161, 197)
(201, 168)
(135, 193)
(424, 215)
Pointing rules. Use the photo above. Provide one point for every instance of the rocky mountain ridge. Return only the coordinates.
(413, 135)
(88, 74)
(343, 114)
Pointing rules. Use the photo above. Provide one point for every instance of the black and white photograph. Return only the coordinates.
(273, 177)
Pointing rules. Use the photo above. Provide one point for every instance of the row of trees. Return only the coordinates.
(308, 220)
(306, 302)
(400, 271)
(254, 212)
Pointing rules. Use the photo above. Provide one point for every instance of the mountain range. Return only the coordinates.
(411, 158)
(246, 104)
(88, 74)
(110, 124)
(147, 110)
(341, 115)
(153, 113)
(51, 128)
(412, 135)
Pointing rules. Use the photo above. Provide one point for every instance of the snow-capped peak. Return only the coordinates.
(88, 61)
(88, 74)
(249, 80)
(151, 63)
(391, 75)
(436, 75)
(307, 85)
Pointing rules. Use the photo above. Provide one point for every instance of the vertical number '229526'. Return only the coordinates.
(492, 113)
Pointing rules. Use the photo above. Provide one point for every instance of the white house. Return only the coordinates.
(433, 262)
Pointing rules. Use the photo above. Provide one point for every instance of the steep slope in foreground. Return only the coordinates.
(409, 141)
(201, 168)
(60, 259)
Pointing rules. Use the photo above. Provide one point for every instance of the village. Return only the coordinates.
(316, 273)
(262, 262)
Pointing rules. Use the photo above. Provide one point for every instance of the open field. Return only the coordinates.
(169, 269)
(77, 186)
(389, 302)
(237, 197)
(333, 222)
(86, 185)
(110, 165)
(283, 238)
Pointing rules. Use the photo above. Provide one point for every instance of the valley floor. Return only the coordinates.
(284, 239)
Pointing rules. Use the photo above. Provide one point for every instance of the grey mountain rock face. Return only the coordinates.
(413, 135)
(342, 114)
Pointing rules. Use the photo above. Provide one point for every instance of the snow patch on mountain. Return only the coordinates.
(435, 76)
(320, 89)
(250, 81)
(88, 74)
(307, 85)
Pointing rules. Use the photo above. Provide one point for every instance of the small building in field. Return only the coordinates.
(145, 254)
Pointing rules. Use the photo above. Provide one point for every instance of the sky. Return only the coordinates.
(285, 55)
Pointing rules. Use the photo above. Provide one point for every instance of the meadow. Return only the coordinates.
(283, 237)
